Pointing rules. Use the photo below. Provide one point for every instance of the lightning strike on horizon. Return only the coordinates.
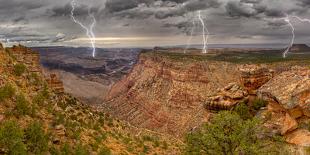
(204, 30)
(287, 19)
(191, 35)
(89, 31)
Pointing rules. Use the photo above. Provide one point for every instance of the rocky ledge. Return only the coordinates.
(288, 95)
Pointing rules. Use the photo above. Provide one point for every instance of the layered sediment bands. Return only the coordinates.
(166, 95)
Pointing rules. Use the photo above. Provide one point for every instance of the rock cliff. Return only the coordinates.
(167, 96)
(174, 96)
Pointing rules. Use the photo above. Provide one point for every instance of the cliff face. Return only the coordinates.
(172, 96)
(167, 96)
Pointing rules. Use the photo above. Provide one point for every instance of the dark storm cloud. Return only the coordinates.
(240, 9)
(42, 20)
(264, 8)
(80, 10)
(189, 6)
(159, 9)
(304, 2)
(20, 4)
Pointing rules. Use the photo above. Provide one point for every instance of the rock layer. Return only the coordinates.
(168, 96)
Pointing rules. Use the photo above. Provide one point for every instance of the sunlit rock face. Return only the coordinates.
(168, 96)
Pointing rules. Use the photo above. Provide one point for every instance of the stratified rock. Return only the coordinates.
(56, 84)
(290, 89)
(60, 130)
(227, 98)
(254, 76)
(299, 137)
(161, 93)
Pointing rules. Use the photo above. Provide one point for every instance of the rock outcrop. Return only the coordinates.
(288, 95)
(254, 76)
(227, 98)
(26, 56)
(55, 84)
(290, 89)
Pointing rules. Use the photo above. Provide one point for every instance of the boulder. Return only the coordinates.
(254, 76)
(299, 137)
(227, 97)
(280, 122)
(1, 47)
(296, 112)
(289, 124)
(290, 89)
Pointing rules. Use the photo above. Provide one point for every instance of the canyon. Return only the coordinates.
(176, 93)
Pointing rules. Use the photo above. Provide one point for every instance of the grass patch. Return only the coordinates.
(6, 92)
(19, 69)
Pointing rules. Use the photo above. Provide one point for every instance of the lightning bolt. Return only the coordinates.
(89, 31)
(287, 19)
(204, 30)
(301, 19)
(191, 35)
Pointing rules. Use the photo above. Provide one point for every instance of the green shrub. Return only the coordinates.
(105, 151)
(36, 139)
(146, 149)
(243, 111)
(34, 79)
(22, 105)
(228, 133)
(54, 151)
(81, 150)
(259, 103)
(11, 138)
(6, 92)
(66, 149)
(19, 69)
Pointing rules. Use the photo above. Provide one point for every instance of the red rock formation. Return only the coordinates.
(289, 101)
(55, 84)
(254, 76)
(26, 56)
(227, 98)
(168, 96)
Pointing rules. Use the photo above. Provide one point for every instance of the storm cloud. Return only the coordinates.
(229, 21)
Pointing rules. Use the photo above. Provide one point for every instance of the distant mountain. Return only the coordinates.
(300, 48)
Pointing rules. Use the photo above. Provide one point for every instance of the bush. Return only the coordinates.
(11, 138)
(36, 139)
(243, 111)
(259, 103)
(22, 105)
(34, 79)
(228, 133)
(66, 149)
(6, 92)
(105, 151)
(19, 69)
(81, 150)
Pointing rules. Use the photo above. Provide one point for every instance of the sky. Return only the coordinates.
(148, 23)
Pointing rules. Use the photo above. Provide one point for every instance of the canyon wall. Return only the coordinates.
(167, 96)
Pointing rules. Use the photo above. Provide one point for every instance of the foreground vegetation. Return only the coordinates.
(228, 134)
(36, 120)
